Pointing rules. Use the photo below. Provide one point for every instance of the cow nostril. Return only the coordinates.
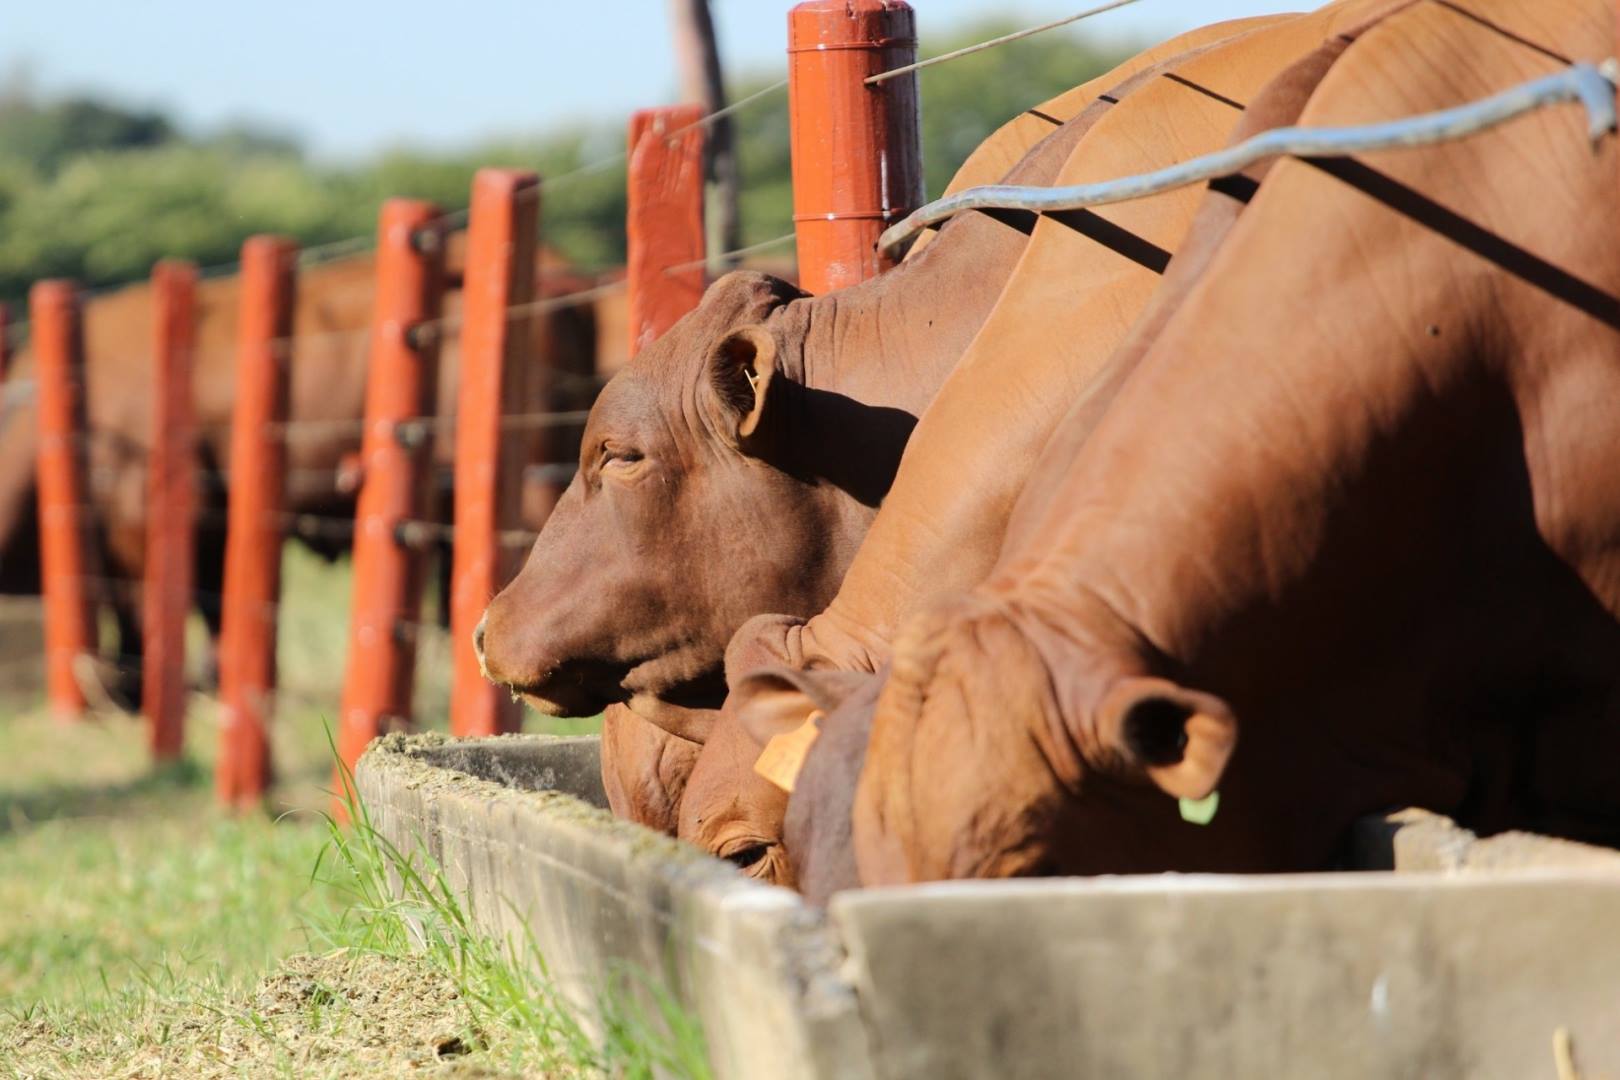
(478, 638)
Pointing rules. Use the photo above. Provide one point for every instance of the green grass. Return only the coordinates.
(399, 904)
(133, 908)
(149, 934)
(146, 933)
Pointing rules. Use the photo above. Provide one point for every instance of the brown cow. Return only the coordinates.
(1387, 553)
(328, 372)
(331, 319)
(708, 490)
(1080, 285)
(645, 766)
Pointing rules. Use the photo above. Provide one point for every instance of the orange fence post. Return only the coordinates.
(857, 159)
(394, 454)
(664, 220)
(171, 509)
(501, 239)
(63, 531)
(247, 646)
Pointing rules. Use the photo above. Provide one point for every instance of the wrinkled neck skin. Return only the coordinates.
(644, 769)
(893, 339)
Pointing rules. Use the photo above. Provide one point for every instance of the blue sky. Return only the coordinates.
(353, 76)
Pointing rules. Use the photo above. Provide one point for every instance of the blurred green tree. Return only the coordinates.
(46, 135)
(95, 191)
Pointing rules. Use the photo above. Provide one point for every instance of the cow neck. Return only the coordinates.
(892, 341)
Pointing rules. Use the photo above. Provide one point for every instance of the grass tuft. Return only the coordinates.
(401, 904)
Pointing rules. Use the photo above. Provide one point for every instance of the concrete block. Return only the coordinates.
(1347, 975)
(1418, 840)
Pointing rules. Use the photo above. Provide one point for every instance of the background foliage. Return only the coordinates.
(96, 191)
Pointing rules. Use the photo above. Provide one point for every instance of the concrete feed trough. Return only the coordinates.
(1464, 957)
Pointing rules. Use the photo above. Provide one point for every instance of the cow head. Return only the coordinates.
(689, 513)
(734, 812)
(985, 761)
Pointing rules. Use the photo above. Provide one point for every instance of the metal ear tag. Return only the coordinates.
(1200, 811)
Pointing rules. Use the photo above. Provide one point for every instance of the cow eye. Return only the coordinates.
(619, 455)
(747, 855)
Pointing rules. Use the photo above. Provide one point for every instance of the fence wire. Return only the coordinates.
(1019, 35)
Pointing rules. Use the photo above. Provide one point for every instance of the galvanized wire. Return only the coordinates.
(735, 253)
(1019, 35)
(727, 110)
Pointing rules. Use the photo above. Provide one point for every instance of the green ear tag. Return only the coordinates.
(1201, 811)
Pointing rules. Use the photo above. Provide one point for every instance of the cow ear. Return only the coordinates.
(1180, 739)
(774, 710)
(769, 702)
(741, 371)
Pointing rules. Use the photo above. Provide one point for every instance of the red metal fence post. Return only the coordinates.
(64, 558)
(247, 646)
(664, 220)
(393, 491)
(171, 508)
(857, 160)
(502, 234)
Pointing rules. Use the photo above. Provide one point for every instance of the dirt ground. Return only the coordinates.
(344, 1014)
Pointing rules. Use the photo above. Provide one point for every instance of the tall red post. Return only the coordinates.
(502, 234)
(393, 491)
(857, 159)
(664, 219)
(247, 646)
(171, 508)
(53, 310)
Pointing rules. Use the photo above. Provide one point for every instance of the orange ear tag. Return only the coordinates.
(784, 755)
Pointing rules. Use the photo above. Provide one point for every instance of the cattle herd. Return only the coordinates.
(326, 401)
(1171, 535)
(1175, 534)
